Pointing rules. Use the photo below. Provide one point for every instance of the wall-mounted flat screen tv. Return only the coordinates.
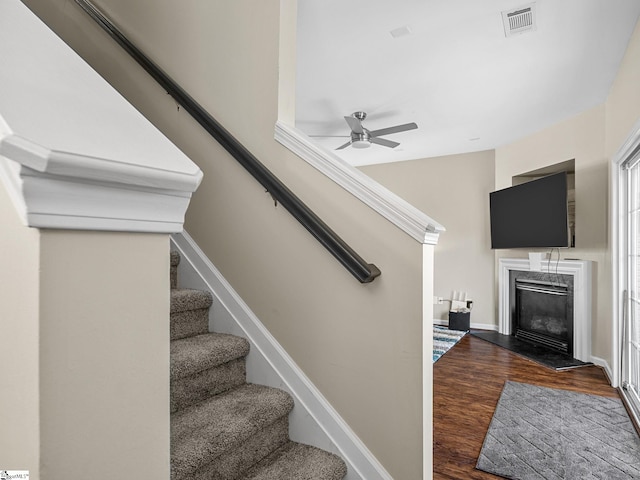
(530, 215)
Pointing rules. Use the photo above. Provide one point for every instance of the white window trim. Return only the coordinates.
(617, 202)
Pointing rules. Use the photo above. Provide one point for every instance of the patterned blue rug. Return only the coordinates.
(444, 339)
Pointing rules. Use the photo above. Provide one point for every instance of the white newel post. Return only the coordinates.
(580, 270)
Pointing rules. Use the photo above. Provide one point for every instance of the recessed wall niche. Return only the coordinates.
(570, 167)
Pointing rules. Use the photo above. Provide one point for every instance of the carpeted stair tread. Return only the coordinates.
(195, 354)
(295, 461)
(220, 423)
(184, 299)
(193, 389)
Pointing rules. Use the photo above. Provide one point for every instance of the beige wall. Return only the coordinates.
(19, 339)
(591, 138)
(360, 344)
(85, 372)
(104, 355)
(623, 102)
(455, 190)
(581, 138)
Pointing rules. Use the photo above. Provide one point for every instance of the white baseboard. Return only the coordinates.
(475, 326)
(605, 366)
(313, 420)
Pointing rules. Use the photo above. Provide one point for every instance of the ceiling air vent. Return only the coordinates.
(519, 20)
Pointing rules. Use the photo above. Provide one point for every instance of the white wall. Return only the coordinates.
(455, 189)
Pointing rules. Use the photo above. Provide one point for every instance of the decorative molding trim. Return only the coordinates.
(76, 165)
(52, 189)
(582, 298)
(631, 144)
(45, 200)
(399, 212)
(10, 178)
(313, 420)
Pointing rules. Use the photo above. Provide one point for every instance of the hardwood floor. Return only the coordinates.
(467, 383)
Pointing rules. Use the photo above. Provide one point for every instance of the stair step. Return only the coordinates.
(191, 390)
(174, 258)
(185, 299)
(206, 365)
(196, 354)
(215, 430)
(236, 461)
(189, 312)
(295, 461)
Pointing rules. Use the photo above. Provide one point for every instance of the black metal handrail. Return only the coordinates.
(359, 268)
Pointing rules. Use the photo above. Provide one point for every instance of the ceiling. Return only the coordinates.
(449, 67)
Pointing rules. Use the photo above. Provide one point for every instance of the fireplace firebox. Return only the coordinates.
(543, 314)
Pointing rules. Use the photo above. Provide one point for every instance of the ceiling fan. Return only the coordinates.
(363, 138)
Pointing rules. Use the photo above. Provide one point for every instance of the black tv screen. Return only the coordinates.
(531, 215)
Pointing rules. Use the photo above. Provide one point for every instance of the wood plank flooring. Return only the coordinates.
(467, 382)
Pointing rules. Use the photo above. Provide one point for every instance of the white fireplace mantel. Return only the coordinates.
(582, 298)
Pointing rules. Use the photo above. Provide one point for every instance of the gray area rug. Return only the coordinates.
(544, 433)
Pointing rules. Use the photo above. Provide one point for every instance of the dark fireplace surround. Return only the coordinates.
(541, 309)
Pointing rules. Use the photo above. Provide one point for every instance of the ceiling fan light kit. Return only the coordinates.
(360, 140)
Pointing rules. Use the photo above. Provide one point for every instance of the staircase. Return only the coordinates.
(223, 428)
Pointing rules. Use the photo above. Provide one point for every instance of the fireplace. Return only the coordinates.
(543, 313)
(575, 274)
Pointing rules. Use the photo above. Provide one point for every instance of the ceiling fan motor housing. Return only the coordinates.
(359, 115)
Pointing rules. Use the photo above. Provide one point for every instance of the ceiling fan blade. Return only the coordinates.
(344, 146)
(354, 124)
(396, 129)
(384, 142)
